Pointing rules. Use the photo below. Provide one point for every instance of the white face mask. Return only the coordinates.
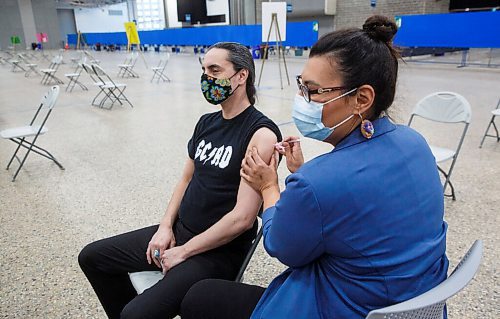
(308, 117)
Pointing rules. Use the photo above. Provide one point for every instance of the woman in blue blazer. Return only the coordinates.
(360, 227)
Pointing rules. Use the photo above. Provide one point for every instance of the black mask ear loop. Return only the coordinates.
(232, 90)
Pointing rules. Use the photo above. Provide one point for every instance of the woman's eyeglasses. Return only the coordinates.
(306, 93)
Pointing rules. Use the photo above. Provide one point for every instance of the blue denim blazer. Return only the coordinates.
(360, 228)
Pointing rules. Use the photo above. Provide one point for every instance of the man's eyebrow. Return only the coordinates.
(213, 66)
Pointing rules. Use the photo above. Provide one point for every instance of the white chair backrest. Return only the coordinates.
(445, 107)
(164, 61)
(90, 71)
(87, 68)
(89, 55)
(49, 99)
(134, 58)
(79, 68)
(83, 59)
(129, 58)
(98, 70)
(101, 74)
(430, 305)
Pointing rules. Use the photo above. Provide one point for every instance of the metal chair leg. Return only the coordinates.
(12, 158)
(95, 97)
(497, 136)
(22, 163)
(82, 85)
(447, 182)
(38, 150)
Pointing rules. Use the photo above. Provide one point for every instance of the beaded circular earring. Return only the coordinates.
(366, 127)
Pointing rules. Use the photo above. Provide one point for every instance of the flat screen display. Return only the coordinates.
(192, 11)
(473, 5)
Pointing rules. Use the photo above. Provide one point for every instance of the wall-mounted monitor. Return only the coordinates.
(192, 11)
(473, 5)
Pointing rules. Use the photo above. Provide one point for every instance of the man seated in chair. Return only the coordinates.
(210, 221)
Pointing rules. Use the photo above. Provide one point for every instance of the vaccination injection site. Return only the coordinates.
(249, 159)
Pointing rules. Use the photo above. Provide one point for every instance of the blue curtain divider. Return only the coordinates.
(452, 30)
(301, 34)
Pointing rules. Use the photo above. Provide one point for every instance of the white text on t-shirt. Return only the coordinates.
(218, 156)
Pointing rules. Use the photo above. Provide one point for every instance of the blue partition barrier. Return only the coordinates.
(459, 30)
(300, 34)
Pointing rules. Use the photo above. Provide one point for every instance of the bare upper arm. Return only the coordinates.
(263, 139)
(249, 200)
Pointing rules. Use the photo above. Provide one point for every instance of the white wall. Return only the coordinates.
(99, 20)
(172, 19)
(216, 7)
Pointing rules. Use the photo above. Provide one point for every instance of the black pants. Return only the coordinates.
(220, 299)
(107, 262)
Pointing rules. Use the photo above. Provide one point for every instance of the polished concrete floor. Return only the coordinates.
(122, 164)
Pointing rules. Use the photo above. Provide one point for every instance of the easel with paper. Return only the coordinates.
(133, 38)
(274, 19)
(81, 40)
(43, 38)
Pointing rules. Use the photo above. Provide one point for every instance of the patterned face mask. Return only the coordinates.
(215, 90)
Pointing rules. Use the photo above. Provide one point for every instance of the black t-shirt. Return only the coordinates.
(217, 147)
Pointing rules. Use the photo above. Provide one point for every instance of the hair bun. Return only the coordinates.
(380, 28)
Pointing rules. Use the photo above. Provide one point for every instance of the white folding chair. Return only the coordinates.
(125, 64)
(127, 67)
(430, 305)
(113, 91)
(61, 54)
(30, 67)
(77, 59)
(30, 55)
(49, 74)
(16, 64)
(495, 112)
(96, 81)
(73, 79)
(91, 58)
(20, 135)
(3, 59)
(143, 280)
(159, 71)
(50, 68)
(45, 56)
(445, 107)
(10, 54)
